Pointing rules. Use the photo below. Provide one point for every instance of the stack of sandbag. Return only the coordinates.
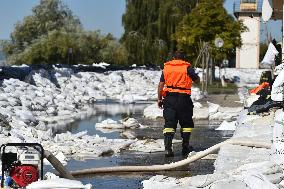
(277, 87)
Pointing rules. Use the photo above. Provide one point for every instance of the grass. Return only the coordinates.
(216, 88)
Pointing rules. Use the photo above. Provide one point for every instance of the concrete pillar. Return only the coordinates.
(248, 55)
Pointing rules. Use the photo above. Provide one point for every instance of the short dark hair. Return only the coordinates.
(179, 54)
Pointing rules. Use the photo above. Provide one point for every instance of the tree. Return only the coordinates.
(50, 20)
(170, 15)
(51, 48)
(114, 53)
(262, 50)
(52, 34)
(140, 27)
(96, 48)
(148, 26)
(205, 23)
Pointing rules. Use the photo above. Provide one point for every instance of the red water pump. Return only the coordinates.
(22, 164)
(23, 175)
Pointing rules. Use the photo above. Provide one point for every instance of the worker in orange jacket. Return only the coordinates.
(174, 97)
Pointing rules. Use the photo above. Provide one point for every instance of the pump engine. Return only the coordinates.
(23, 163)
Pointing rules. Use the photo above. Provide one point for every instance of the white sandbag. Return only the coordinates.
(197, 105)
(131, 123)
(278, 129)
(229, 184)
(110, 124)
(201, 181)
(227, 126)
(59, 183)
(278, 69)
(277, 149)
(250, 100)
(164, 182)
(153, 112)
(149, 145)
(200, 113)
(277, 87)
(213, 108)
(25, 115)
(258, 180)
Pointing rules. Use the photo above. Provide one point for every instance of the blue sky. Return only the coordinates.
(104, 15)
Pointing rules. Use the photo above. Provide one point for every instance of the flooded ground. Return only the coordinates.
(203, 137)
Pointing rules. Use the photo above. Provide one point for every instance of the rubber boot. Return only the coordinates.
(168, 141)
(186, 148)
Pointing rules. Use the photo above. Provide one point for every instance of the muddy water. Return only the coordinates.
(203, 137)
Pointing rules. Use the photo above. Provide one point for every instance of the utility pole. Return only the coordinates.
(203, 74)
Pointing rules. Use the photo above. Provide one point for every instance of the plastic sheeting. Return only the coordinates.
(270, 55)
(266, 11)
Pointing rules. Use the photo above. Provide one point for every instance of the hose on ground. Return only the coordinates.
(57, 165)
(155, 168)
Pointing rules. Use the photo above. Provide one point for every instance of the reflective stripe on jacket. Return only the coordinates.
(176, 77)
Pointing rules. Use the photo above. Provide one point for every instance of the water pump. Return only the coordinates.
(22, 162)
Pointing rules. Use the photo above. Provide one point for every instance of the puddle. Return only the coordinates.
(203, 137)
(114, 111)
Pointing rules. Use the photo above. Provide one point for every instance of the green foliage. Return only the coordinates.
(149, 25)
(205, 23)
(50, 48)
(48, 16)
(114, 52)
(96, 48)
(45, 36)
(153, 28)
(262, 50)
(90, 43)
(52, 34)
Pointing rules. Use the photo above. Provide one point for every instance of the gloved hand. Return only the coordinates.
(160, 104)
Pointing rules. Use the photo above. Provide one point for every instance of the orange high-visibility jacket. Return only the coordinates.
(176, 77)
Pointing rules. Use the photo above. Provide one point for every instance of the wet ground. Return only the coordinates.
(203, 136)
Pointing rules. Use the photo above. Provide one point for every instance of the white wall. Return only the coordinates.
(248, 54)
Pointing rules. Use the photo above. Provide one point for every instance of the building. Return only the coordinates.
(249, 11)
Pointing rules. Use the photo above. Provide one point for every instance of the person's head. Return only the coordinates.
(180, 55)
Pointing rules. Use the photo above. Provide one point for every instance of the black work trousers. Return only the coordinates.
(178, 107)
